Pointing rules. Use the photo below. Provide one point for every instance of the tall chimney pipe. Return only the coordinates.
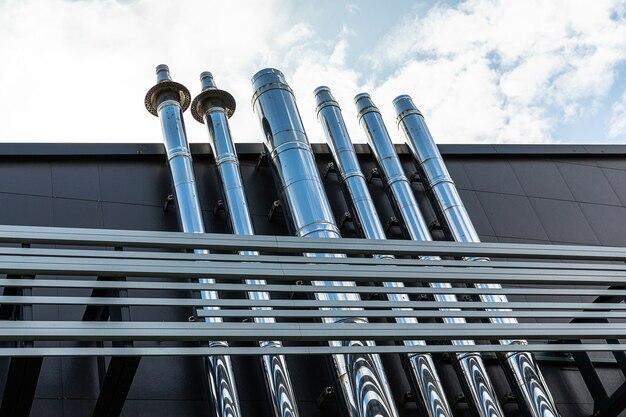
(168, 100)
(420, 368)
(469, 365)
(214, 107)
(520, 368)
(361, 378)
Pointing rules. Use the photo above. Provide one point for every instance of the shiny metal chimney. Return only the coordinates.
(168, 100)
(469, 366)
(214, 107)
(520, 368)
(420, 368)
(361, 378)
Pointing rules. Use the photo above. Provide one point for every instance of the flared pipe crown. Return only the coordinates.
(323, 98)
(404, 106)
(211, 98)
(166, 89)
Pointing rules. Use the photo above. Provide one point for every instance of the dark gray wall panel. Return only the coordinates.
(80, 180)
(78, 384)
(77, 213)
(541, 178)
(608, 223)
(47, 407)
(617, 180)
(78, 407)
(563, 221)
(588, 184)
(138, 217)
(167, 378)
(26, 177)
(158, 407)
(126, 181)
(492, 175)
(512, 216)
(15, 208)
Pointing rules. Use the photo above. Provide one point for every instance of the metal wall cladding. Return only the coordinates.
(516, 197)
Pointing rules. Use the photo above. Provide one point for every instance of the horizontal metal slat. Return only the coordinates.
(104, 237)
(302, 350)
(390, 314)
(226, 270)
(289, 259)
(291, 304)
(196, 332)
(291, 288)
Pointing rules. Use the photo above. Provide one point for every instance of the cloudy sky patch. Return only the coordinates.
(481, 71)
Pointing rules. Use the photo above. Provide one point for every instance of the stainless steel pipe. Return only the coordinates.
(520, 368)
(168, 100)
(361, 378)
(214, 107)
(420, 368)
(469, 366)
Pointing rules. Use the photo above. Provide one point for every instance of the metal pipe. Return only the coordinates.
(168, 100)
(521, 369)
(420, 368)
(361, 378)
(214, 107)
(469, 366)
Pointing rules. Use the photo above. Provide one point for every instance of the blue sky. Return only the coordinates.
(482, 71)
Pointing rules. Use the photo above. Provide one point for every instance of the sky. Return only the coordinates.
(481, 71)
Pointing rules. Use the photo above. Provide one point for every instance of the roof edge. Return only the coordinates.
(127, 149)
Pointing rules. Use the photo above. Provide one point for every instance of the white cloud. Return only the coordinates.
(499, 71)
(324, 63)
(352, 8)
(617, 128)
(481, 71)
(78, 71)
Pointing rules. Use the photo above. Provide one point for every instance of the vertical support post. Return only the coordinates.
(21, 384)
(116, 382)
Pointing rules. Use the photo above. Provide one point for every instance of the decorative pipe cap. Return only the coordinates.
(404, 106)
(211, 96)
(163, 86)
(268, 79)
(206, 80)
(270, 75)
(163, 73)
(321, 89)
(364, 104)
(323, 98)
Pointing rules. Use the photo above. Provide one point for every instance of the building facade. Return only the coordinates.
(540, 194)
